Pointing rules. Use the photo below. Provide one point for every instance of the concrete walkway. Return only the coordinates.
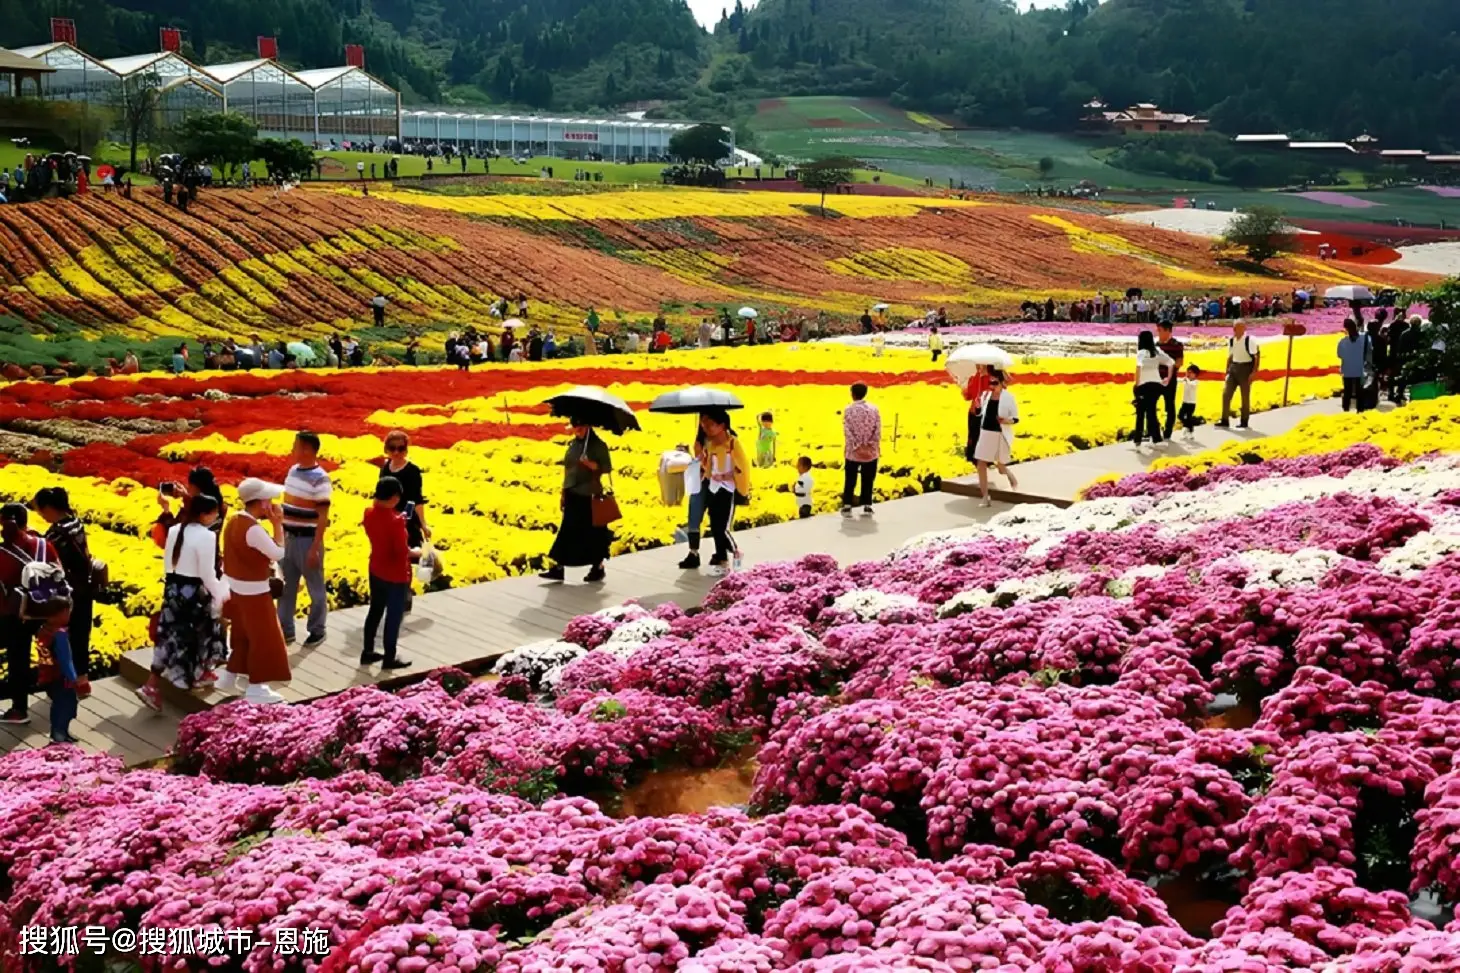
(469, 627)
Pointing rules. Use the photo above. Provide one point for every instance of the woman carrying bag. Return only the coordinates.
(583, 536)
(998, 413)
(727, 485)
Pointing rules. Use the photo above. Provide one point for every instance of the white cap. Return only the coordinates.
(253, 489)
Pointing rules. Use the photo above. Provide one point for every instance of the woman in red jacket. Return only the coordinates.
(390, 571)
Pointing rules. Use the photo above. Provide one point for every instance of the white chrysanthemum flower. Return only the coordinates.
(532, 661)
(965, 602)
(634, 634)
(1420, 551)
(869, 604)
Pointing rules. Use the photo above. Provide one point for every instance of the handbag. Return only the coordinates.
(604, 506)
(427, 565)
(100, 574)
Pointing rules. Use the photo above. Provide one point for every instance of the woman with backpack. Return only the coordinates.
(190, 645)
(36, 605)
(67, 536)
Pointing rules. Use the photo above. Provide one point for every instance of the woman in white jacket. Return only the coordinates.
(1151, 361)
(998, 412)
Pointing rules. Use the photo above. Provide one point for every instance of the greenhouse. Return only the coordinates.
(77, 76)
(351, 104)
(616, 139)
(275, 99)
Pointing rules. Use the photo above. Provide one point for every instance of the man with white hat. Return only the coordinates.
(259, 656)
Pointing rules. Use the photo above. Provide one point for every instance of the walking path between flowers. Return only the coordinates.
(468, 627)
(1059, 479)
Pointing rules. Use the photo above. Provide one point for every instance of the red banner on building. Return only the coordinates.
(355, 56)
(63, 31)
(170, 39)
(269, 47)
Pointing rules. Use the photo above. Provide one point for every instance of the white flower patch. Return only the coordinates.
(869, 604)
(965, 602)
(619, 613)
(935, 539)
(1420, 551)
(1014, 591)
(634, 634)
(534, 660)
(1271, 569)
(1123, 586)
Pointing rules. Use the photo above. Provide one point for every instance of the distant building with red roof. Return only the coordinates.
(1143, 118)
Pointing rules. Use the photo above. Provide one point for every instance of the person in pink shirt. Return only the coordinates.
(862, 431)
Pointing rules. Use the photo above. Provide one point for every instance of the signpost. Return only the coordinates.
(1293, 330)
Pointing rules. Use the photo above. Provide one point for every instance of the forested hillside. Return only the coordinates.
(544, 54)
(1326, 67)
(1330, 68)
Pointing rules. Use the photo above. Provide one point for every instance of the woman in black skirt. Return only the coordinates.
(579, 543)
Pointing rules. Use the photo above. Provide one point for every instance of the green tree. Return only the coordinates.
(824, 174)
(1435, 353)
(292, 159)
(1046, 167)
(705, 143)
(136, 101)
(1261, 232)
(224, 139)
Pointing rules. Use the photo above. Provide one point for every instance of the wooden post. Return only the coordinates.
(894, 429)
(1289, 376)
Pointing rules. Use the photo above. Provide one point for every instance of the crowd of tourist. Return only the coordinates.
(1135, 308)
(230, 582)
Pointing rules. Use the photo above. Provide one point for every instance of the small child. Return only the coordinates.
(879, 342)
(765, 443)
(803, 487)
(935, 343)
(1187, 415)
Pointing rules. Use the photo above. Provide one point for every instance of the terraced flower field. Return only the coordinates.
(308, 262)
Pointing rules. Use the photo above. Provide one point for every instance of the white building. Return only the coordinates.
(564, 137)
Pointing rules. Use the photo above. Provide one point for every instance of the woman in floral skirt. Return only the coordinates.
(190, 643)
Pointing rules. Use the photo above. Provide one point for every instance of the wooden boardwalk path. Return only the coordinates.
(469, 627)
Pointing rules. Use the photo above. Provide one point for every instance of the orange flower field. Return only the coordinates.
(303, 263)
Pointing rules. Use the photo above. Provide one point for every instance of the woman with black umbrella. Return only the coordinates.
(580, 542)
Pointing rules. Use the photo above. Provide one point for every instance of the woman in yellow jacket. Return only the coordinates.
(727, 484)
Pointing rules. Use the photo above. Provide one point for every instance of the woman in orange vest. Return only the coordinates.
(259, 656)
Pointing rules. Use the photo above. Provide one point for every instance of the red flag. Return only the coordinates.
(355, 55)
(171, 39)
(269, 47)
(63, 31)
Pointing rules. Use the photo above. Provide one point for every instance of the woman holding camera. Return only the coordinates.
(258, 655)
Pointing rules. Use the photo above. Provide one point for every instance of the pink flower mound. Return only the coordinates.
(1078, 886)
(1434, 856)
(1117, 944)
(1177, 817)
(1323, 908)
(1343, 200)
(1431, 661)
(966, 926)
(1179, 479)
(1449, 192)
(657, 927)
(423, 948)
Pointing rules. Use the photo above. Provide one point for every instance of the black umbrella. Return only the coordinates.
(596, 407)
(1134, 292)
(694, 400)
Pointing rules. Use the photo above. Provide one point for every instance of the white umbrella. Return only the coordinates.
(1348, 292)
(963, 360)
(694, 400)
(512, 323)
(880, 307)
(749, 312)
(301, 351)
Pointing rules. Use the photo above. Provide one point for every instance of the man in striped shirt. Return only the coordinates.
(306, 518)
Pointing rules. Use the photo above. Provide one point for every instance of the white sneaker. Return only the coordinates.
(715, 571)
(262, 694)
(230, 682)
